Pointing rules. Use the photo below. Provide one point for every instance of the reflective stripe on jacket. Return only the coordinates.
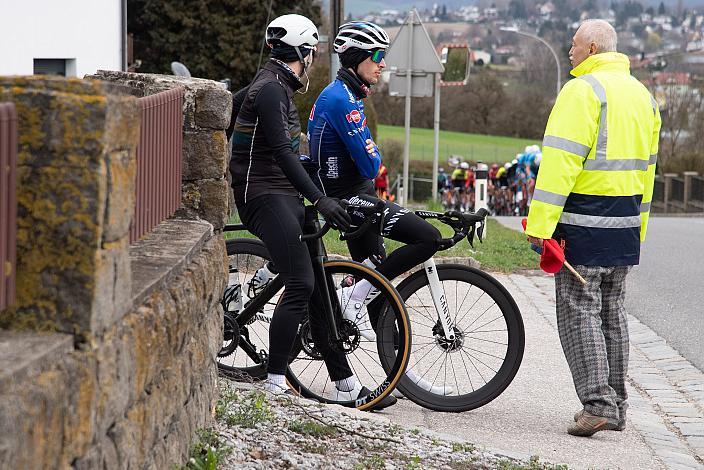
(596, 177)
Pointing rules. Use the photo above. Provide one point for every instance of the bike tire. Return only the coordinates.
(393, 327)
(232, 366)
(484, 284)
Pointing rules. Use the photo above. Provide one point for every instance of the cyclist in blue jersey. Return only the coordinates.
(342, 145)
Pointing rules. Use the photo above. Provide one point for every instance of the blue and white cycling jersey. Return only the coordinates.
(337, 135)
(526, 160)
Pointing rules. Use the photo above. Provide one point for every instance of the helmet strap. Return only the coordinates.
(307, 82)
(300, 58)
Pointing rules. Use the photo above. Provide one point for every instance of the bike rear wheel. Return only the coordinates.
(488, 349)
(307, 373)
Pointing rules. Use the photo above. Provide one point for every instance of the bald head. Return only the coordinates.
(592, 37)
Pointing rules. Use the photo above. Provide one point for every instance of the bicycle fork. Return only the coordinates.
(439, 300)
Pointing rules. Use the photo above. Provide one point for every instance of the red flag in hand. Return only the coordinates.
(552, 257)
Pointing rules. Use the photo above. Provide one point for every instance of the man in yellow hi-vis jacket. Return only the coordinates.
(594, 191)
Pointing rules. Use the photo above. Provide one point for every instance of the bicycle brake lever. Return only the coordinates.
(480, 233)
(470, 236)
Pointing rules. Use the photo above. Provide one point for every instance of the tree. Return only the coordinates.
(215, 39)
(682, 110)
(661, 8)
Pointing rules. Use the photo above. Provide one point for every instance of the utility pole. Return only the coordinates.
(436, 134)
(337, 17)
(405, 195)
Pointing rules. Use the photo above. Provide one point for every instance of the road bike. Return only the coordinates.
(468, 334)
(325, 334)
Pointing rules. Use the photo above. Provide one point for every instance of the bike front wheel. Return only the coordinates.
(481, 361)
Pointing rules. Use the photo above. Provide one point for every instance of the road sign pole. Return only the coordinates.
(405, 196)
(436, 128)
(337, 9)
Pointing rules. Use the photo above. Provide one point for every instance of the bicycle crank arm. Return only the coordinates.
(439, 300)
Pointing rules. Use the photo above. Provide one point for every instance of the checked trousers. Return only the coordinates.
(593, 328)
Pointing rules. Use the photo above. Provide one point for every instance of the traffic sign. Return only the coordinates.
(423, 57)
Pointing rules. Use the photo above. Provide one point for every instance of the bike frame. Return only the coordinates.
(318, 257)
(438, 295)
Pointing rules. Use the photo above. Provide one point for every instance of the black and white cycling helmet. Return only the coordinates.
(361, 35)
(294, 30)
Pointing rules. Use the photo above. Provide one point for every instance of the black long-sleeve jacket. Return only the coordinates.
(266, 139)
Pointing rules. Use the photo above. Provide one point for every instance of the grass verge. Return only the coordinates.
(488, 148)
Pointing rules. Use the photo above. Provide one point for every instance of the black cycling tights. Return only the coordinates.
(420, 238)
(278, 221)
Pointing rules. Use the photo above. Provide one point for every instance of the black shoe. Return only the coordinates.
(387, 401)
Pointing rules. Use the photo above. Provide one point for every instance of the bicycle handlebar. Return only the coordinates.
(464, 225)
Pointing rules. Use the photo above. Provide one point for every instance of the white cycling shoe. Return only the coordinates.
(356, 312)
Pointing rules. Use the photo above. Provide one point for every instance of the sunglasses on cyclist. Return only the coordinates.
(378, 55)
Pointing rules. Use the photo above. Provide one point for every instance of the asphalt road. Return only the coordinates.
(666, 291)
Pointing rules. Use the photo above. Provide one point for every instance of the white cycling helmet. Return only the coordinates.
(464, 165)
(507, 165)
(514, 161)
(362, 35)
(294, 30)
(532, 149)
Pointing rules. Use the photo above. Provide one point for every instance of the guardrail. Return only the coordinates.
(677, 194)
(159, 157)
(8, 203)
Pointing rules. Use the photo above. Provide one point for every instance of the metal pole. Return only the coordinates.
(337, 11)
(407, 147)
(436, 129)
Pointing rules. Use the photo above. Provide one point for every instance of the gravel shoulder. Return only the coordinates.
(258, 430)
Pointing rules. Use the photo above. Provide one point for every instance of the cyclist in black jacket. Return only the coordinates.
(268, 181)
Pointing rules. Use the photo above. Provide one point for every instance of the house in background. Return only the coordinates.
(72, 38)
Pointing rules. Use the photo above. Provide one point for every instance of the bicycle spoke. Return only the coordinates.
(483, 363)
(429, 316)
(439, 368)
(474, 365)
(492, 321)
(424, 356)
(365, 369)
(483, 313)
(486, 354)
(454, 373)
(463, 301)
(487, 341)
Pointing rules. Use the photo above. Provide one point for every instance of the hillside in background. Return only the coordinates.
(361, 7)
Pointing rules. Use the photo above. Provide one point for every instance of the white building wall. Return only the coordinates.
(88, 31)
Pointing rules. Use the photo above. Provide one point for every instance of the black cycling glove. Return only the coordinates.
(333, 212)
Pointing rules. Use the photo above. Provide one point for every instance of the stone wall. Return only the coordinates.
(206, 108)
(107, 359)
